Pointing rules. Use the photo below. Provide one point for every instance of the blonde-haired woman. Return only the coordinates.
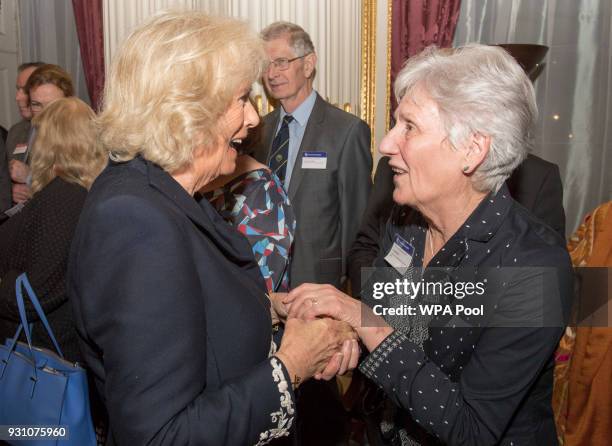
(65, 160)
(171, 308)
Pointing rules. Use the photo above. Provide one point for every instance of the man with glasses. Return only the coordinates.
(45, 84)
(321, 153)
(322, 156)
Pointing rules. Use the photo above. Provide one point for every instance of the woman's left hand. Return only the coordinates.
(311, 300)
(341, 362)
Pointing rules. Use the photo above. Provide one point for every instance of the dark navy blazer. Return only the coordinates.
(172, 316)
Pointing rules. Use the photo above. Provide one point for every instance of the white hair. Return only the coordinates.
(479, 89)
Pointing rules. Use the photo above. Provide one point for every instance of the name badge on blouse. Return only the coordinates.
(314, 160)
(400, 255)
(20, 149)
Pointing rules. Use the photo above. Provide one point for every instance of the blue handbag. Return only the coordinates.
(39, 387)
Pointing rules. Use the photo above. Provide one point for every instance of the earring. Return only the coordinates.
(466, 168)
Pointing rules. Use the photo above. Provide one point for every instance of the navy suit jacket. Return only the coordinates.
(172, 316)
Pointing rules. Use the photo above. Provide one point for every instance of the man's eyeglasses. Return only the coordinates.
(282, 63)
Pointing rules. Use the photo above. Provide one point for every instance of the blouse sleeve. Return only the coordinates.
(260, 210)
(476, 409)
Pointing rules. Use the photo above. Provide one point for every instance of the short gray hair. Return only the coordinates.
(478, 89)
(299, 40)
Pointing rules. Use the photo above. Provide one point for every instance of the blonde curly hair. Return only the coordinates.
(171, 81)
(66, 145)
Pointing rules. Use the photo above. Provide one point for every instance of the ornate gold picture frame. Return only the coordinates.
(369, 81)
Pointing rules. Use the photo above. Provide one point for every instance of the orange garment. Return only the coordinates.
(591, 244)
(583, 384)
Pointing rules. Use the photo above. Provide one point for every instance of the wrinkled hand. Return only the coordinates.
(21, 192)
(278, 308)
(341, 363)
(311, 300)
(316, 347)
(19, 171)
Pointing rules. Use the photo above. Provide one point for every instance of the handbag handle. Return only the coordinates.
(23, 282)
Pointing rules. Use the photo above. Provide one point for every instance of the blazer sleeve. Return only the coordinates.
(366, 245)
(354, 184)
(504, 365)
(549, 201)
(140, 301)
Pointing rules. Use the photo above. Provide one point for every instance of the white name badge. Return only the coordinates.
(20, 149)
(314, 160)
(400, 255)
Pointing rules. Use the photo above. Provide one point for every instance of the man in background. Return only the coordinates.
(17, 137)
(18, 133)
(44, 85)
(322, 156)
(320, 153)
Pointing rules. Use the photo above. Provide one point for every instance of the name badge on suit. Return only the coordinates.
(314, 160)
(20, 149)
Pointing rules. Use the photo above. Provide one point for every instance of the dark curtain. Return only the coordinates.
(415, 25)
(88, 18)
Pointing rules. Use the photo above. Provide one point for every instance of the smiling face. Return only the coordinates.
(293, 85)
(426, 167)
(233, 127)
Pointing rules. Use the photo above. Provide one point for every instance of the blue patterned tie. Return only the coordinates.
(280, 150)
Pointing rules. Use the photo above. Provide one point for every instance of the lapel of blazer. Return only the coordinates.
(233, 244)
(167, 186)
(311, 134)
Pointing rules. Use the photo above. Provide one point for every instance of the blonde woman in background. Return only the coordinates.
(66, 158)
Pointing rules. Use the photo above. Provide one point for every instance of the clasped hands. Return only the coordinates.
(320, 340)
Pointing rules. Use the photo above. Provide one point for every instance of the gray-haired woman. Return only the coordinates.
(464, 122)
